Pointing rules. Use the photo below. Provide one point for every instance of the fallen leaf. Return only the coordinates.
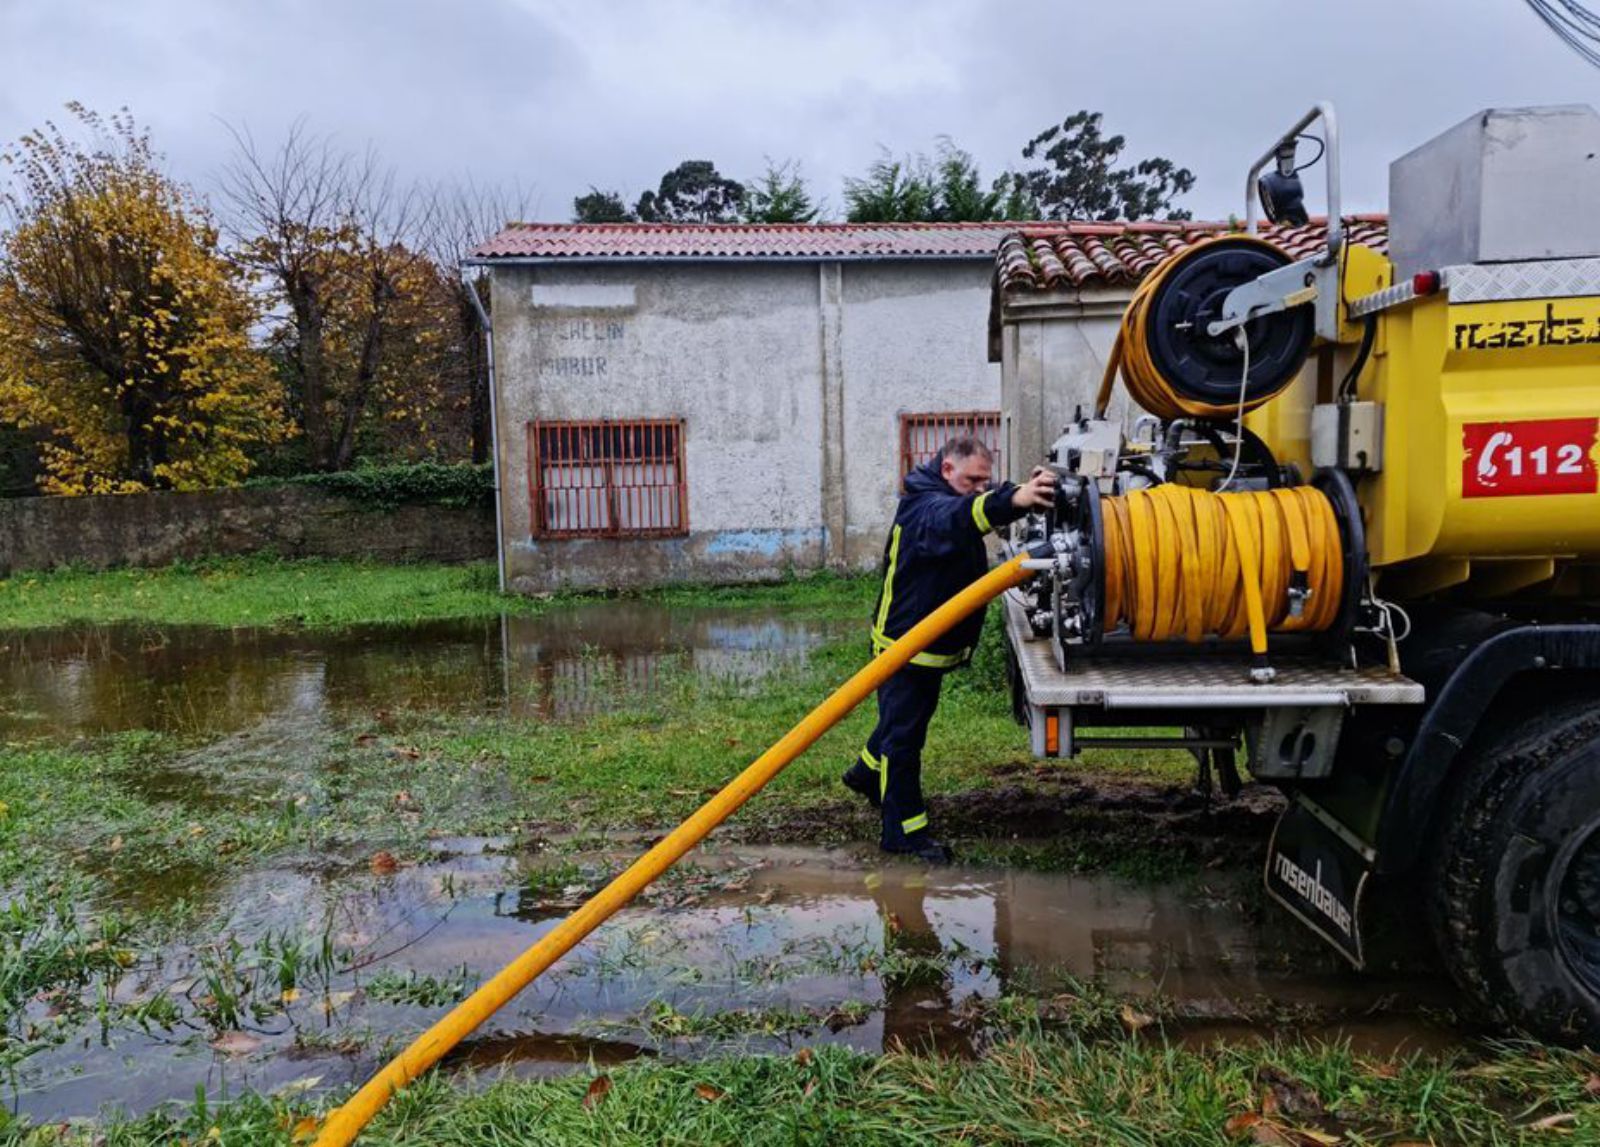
(804, 1056)
(1135, 1021)
(402, 798)
(1321, 1138)
(1593, 1086)
(289, 995)
(305, 1129)
(366, 738)
(1549, 1122)
(811, 1085)
(235, 1043)
(1386, 1071)
(1287, 1095)
(539, 779)
(408, 752)
(297, 1086)
(384, 863)
(708, 1093)
(597, 1091)
(115, 845)
(1267, 1135)
(1237, 1125)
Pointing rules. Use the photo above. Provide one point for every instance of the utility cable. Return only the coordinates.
(1238, 425)
(1576, 25)
(1181, 562)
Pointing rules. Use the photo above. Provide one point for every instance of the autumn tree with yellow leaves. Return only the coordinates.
(124, 330)
(358, 311)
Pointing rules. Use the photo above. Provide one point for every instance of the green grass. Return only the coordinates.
(265, 591)
(155, 815)
(1032, 1088)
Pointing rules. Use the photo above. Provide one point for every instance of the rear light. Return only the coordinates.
(1425, 283)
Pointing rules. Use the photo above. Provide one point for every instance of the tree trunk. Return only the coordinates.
(366, 378)
(310, 367)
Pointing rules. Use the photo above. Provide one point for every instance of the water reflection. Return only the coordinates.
(779, 931)
(567, 662)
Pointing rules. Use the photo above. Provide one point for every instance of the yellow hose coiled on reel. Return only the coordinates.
(1186, 562)
(1130, 353)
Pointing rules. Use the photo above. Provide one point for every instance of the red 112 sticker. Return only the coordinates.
(1548, 456)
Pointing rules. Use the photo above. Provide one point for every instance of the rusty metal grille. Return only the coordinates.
(609, 478)
(921, 435)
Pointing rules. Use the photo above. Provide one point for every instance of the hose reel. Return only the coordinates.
(1171, 563)
(1147, 555)
(1174, 368)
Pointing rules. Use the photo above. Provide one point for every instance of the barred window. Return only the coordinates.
(921, 435)
(610, 478)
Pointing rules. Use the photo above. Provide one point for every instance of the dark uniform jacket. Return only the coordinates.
(935, 550)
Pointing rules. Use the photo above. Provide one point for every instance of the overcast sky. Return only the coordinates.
(556, 96)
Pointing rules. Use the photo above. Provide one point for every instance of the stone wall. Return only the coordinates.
(293, 522)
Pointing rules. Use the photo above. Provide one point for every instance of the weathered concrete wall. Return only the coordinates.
(155, 529)
(789, 378)
(915, 341)
(1054, 352)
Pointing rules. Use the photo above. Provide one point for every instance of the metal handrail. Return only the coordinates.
(1323, 110)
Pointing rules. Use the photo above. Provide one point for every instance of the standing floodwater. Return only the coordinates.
(563, 663)
(309, 971)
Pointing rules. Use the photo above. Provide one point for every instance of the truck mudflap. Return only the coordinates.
(1318, 870)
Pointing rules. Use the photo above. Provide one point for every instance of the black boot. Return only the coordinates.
(860, 779)
(920, 845)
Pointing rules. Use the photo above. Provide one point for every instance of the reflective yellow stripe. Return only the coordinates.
(882, 641)
(912, 824)
(869, 760)
(978, 515)
(888, 579)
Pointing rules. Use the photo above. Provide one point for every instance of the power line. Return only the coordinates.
(1576, 24)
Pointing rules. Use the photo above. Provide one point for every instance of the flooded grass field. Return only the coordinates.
(245, 866)
(306, 978)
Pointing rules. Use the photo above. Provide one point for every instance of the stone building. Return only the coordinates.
(720, 403)
(727, 403)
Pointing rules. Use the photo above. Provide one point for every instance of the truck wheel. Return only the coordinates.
(1516, 882)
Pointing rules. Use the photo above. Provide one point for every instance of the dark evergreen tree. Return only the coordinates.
(601, 207)
(1079, 176)
(692, 192)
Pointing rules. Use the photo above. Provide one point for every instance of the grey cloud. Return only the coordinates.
(559, 95)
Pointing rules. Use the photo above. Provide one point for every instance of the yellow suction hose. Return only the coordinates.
(344, 1124)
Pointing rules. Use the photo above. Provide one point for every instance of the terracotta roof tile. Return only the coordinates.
(600, 241)
(1066, 256)
(1031, 256)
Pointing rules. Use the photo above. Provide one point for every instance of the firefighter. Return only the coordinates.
(935, 549)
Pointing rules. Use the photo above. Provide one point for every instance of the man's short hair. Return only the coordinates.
(965, 446)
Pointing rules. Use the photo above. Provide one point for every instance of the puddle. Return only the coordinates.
(564, 663)
(749, 949)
